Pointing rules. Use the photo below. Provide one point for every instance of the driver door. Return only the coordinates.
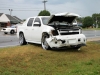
(37, 30)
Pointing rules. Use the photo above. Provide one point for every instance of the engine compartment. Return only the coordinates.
(65, 29)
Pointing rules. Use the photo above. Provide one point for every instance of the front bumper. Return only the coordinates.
(66, 40)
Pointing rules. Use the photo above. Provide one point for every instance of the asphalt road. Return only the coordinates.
(91, 33)
(7, 40)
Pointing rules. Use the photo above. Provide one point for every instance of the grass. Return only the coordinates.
(33, 60)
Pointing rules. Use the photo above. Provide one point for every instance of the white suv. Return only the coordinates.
(52, 31)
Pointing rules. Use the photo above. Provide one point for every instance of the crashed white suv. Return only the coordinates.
(54, 31)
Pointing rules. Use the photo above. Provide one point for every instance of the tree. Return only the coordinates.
(44, 13)
(87, 22)
(96, 19)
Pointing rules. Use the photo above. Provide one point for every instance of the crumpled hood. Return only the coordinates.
(63, 17)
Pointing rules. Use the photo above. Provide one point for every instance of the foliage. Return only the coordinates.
(80, 20)
(96, 19)
(44, 13)
(87, 22)
(24, 19)
(33, 60)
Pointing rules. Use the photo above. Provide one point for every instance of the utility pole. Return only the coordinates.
(96, 23)
(10, 15)
(44, 4)
(10, 11)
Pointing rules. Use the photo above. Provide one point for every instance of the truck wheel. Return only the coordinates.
(22, 40)
(12, 32)
(44, 42)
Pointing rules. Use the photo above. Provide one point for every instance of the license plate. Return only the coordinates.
(72, 41)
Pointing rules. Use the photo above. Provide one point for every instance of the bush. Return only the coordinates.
(44, 13)
(87, 22)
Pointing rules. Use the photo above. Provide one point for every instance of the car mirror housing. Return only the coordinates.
(37, 24)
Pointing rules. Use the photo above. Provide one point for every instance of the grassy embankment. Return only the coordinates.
(33, 60)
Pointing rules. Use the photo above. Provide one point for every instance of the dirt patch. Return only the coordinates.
(93, 39)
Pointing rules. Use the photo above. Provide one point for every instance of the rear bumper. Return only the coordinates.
(67, 40)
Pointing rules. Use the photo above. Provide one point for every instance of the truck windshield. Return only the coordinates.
(45, 20)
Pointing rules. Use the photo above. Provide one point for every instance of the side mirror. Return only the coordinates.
(37, 24)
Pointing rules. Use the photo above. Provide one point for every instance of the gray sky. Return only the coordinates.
(27, 8)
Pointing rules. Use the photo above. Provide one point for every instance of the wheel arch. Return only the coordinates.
(12, 29)
(45, 33)
(21, 32)
(24, 40)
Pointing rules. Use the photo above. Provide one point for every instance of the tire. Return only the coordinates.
(44, 43)
(5, 33)
(12, 32)
(22, 40)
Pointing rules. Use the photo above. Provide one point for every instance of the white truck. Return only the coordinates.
(54, 31)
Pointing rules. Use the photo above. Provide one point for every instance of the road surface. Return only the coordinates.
(12, 40)
(8, 40)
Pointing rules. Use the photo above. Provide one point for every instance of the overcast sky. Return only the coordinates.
(27, 8)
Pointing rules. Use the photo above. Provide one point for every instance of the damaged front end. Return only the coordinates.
(66, 40)
(64, 32)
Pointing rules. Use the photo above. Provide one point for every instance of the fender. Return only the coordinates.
(47, 29)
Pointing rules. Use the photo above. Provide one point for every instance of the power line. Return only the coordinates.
(26, 10)
(44, 4)
(20, 10)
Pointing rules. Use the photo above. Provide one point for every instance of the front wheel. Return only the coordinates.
(22, 40)
(44, 42)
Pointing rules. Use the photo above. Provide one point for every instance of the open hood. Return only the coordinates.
(63, 17)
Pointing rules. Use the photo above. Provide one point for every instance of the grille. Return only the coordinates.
(69, 33)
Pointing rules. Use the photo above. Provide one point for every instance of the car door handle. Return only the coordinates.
(25, 29)
(32, 29)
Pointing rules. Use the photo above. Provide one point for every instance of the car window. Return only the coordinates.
(30, 22)
(13, 26)
(37, 20)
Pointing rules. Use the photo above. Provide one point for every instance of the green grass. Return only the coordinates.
(33, 60)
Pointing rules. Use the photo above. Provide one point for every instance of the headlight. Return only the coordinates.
(54, 32)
